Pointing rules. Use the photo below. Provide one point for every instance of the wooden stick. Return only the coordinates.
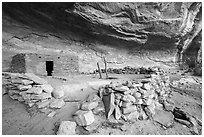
(99, 70)
(105, 67)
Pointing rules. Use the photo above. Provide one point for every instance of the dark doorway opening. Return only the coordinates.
(49, 67)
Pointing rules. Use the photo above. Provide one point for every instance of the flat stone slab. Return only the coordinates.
(41, 96)
(57, 103)
(165, 118)
(35, 78)
(36, 90)
(43, 104)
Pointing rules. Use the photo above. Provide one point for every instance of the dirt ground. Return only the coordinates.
(18, 120)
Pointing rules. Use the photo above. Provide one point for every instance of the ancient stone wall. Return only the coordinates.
(36, 63)
(63, 65)
(18, 64)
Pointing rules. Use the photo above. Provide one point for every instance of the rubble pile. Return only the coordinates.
(32, 91)
(135, 99)
(132, 70)
(128, 100)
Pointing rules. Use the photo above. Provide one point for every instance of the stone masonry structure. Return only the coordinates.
(40, 64)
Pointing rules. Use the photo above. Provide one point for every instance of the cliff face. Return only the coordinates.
(155, 32)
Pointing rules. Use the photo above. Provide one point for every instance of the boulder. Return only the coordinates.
(35, 78)
(83, 118)
(165, 118)
(93, 98)
(47, 88)
(67, 128)
(57, 103)
(89, 105)
(58, 93)
(129, 109)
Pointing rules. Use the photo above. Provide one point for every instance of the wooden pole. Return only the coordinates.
(99, 70)
(105, 67)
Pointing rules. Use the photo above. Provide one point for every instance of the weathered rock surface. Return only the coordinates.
(23, 87)
(41, 96)
(58, 93)
(93, 98)
(43, 104)
(132, 116)
(35, 90)
(66, 128)
(160, 30)
(164, 118)
(57, 103)
(89, 105)
(35, 78)
(83, 118)
(47, 88)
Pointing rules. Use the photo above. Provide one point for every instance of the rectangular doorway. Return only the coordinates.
(49, 67)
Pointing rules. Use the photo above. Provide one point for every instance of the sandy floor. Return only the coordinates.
(17, 121)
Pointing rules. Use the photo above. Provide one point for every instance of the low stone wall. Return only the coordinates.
(137, 99)
(33, 91)
(129, 100)
(133, 70)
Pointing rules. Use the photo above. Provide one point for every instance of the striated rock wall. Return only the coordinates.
(155, 32)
